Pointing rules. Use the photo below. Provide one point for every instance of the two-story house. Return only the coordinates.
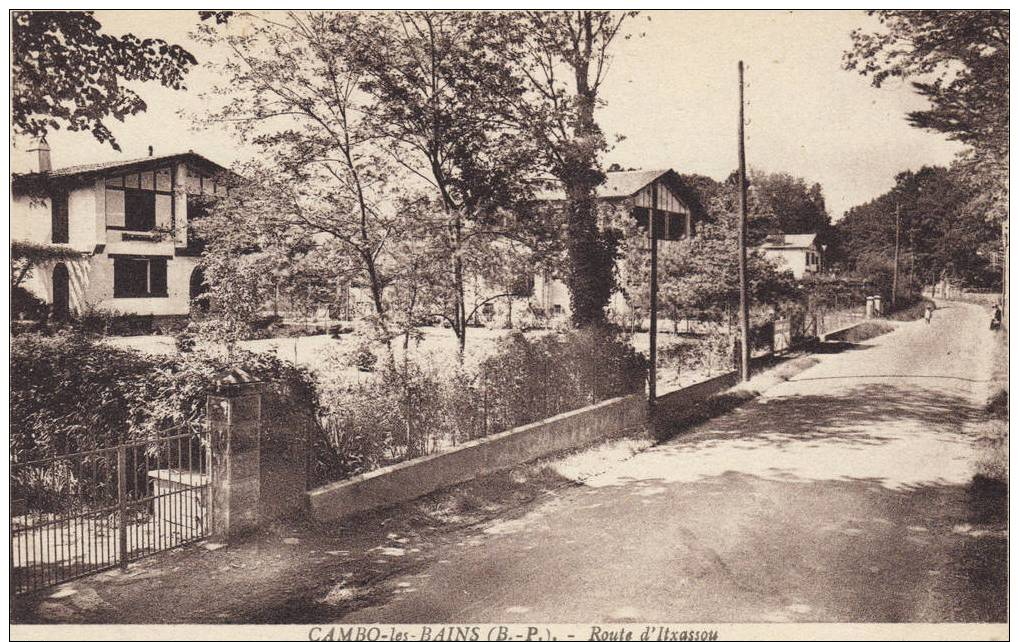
(635, 191)
(797, 252)
(128, 219)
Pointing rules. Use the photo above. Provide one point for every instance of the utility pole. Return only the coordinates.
(744, 299)
(895, 268)
(652, 388)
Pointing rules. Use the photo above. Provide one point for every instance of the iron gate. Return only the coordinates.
(78, 514)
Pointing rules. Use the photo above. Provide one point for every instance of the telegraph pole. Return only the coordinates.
(652, 387)
(895, 268)
(744, 299)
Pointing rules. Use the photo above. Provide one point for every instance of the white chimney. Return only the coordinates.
(42, 149)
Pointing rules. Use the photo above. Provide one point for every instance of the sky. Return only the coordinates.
(672, 93)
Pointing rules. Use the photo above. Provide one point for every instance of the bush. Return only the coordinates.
(911, 308)
(27, 306)
(412, 409)
(69, 393)
(867, 330)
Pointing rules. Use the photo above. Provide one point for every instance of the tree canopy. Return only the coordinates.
(66, 73)
(940, 235)
(958, 61)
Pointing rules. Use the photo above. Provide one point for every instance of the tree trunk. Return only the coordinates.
(591, 254)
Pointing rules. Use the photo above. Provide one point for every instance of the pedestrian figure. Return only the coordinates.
(996, 318)
(928, 312)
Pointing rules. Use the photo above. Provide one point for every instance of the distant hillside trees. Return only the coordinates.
(940, 235)
(959, 62)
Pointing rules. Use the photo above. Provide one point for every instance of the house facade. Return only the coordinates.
(799, 253)
(129, 222)
(637, 192)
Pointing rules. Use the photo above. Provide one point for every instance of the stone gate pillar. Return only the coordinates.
(234, 411)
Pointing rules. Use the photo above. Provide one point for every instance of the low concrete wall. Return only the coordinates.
(680, 404)
(418, 477)
(840, 334)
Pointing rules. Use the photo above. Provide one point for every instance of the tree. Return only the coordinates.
(289, 88)
(698, 276)
(564, 57)
(940, 233)
(445, 111)
(799, 208)
(65, 72)
(958, 61)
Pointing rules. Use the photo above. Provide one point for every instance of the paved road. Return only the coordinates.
(840, 495)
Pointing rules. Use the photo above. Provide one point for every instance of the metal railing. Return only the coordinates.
(81, 513)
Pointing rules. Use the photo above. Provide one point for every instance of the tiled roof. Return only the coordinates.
(94, 168)
(616, 185)
(789, 241)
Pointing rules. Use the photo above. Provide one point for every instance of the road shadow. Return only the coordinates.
(837, 347)
(835, 418)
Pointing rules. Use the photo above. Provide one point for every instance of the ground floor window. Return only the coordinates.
(139, 276)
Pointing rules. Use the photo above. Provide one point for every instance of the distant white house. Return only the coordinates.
(797, 252)
(129, 219)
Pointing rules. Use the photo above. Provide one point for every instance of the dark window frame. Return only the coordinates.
(154, 191)
(156, 280)
(60, 217)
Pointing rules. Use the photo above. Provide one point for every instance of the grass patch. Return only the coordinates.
(992, 435)
(866, 330)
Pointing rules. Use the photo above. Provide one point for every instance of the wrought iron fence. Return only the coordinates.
(77, 514)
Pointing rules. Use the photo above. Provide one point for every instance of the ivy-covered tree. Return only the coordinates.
(66, 73)
(564, 57)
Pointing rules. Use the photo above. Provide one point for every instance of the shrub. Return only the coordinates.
(867, 330)
(69, 394)
(27, 306)
(412, 409)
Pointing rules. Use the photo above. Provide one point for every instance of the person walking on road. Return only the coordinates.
(928, 312)
(996, 317)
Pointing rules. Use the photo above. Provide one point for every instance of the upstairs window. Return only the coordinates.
(140, 202)
(669, 226)
(59, 218)
(139, 277)
(139, 210)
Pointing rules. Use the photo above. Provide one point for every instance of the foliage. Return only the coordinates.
(959, 62)
(66, 72)
(565, 56)
(27, 306)
(835, 293)
(798, 208)
(867, 330)
(446, 111)
(323, 190)
(698, 277)
(69, 393)
(26, 255)
(411, 409)
(941, 235)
